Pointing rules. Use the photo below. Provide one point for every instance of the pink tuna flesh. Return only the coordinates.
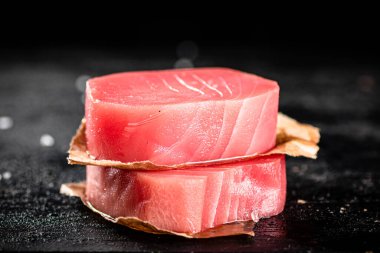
(194, 199)
(178, 116)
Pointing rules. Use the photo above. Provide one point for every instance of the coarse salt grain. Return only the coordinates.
(47, 140)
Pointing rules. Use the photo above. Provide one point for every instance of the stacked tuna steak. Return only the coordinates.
(182, 117)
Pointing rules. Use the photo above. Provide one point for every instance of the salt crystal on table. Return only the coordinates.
(183, 63)
(47, 140)
(301, 201)
(6, 122)
(7, 175)
(187, 49)
(80, 82)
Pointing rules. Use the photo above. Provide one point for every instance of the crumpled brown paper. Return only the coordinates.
(293, 139)
(235, 228)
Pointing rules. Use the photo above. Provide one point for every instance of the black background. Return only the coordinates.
(326, 63)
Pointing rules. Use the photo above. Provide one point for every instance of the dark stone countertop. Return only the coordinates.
(38, 92)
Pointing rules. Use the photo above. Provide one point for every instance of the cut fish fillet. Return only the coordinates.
(191, 200)
(179, 116)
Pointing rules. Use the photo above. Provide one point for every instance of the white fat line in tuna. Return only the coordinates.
(207, 85)
(182, 82)
(225, 84)
(169, 87)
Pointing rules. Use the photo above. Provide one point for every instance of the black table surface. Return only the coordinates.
(41, 91)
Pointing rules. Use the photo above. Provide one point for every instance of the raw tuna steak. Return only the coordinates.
(178, 116)
(194, 199)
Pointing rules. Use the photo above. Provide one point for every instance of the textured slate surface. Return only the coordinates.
(341, 96)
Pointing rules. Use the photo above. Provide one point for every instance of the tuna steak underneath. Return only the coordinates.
(194, 199)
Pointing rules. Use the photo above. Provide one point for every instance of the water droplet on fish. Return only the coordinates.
(80, 82)
(47, 140)
(187, 49)
(183, 63)
(7, 175)
(6, 122)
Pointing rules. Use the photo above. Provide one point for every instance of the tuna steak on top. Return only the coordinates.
(177, 116)
(191, 200)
